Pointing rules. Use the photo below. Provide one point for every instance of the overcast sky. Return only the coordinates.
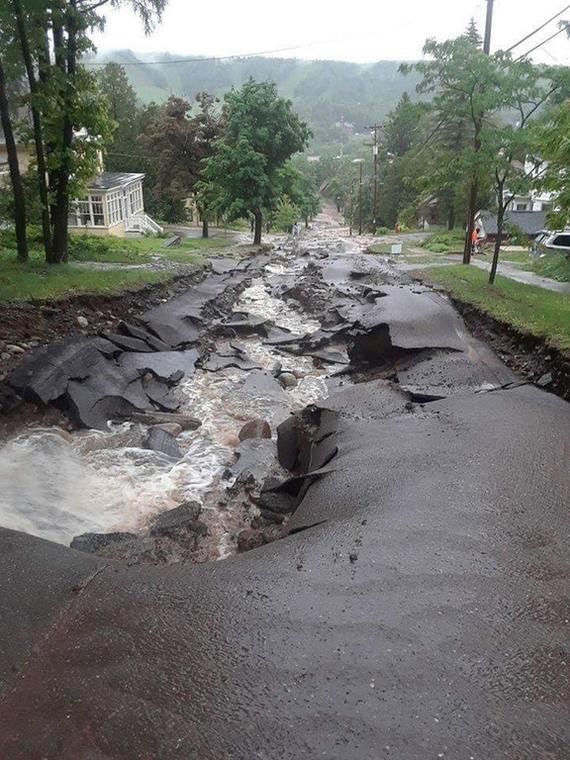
(358, 30)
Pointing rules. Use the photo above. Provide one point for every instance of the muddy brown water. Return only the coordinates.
(58, 484)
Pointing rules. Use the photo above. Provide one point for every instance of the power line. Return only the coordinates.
(199, 59)
(536, 31)
(546, 41)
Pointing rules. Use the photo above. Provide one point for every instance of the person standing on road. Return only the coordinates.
(475, 240)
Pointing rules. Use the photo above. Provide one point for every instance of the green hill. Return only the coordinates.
(325, 93)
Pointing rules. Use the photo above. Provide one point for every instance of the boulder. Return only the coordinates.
(288, 380)
(255, 429)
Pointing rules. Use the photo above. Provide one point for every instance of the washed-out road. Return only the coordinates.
(417, 606)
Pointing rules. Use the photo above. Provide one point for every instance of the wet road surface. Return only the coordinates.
(417, 609)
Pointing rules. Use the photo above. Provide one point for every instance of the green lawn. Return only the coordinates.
(35, 280)
(139, 250)
(555, 265)
(529, 308)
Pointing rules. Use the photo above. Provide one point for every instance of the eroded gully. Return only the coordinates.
(59, 485)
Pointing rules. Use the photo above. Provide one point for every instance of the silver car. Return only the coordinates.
(551, 242)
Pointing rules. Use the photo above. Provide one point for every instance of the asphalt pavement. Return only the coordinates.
(418, 609)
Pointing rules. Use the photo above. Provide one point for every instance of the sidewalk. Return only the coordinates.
(505, 269)
(528, 278)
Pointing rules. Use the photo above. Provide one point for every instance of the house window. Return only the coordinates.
(522, 207)
(115, 207)
(88, 212)
(97, 213)
(135, 199)
(82, 212)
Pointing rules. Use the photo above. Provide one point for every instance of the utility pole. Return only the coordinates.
(375, 201)
(488, 27)
(360, 199)
(351, 207)
(376, 155)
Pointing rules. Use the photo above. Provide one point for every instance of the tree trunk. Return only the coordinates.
(15, 177)
(37, 126)
(499, 240)
(258, 217)
(473, 193)
(306, 222)
(451, 218)
(60, 211)
(205, 228)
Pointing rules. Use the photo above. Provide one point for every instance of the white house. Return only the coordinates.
(534, 200)
(113, 205)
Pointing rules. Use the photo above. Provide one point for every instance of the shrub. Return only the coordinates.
(382, 231)
(285, 215)
(446, 242)
(516, 236)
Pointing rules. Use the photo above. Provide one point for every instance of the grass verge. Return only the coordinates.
(38, 281)
(528, 308)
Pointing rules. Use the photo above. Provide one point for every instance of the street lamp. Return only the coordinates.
(361, 162)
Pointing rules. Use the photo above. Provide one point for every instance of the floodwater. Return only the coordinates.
(58, 485)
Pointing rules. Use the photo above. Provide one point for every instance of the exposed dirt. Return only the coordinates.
(530, 356)
(35, 323)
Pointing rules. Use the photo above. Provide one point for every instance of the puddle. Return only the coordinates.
(57, 486)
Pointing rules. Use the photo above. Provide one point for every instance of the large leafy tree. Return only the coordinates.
(403, 125)
(261, 132)
(509, 148)
(299, 187)
(10, 70)
(69, 121)
(181, 142)
(554, 145)
(121, 152)
(465, 87)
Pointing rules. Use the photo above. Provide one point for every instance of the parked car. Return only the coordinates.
(551, 242)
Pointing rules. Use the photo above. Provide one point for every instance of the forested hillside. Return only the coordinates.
(323, 92)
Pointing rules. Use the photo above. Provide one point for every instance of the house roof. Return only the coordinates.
(109, 180)
(528, 222)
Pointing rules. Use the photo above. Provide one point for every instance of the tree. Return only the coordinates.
(14, 168)
(285, 214)
(121, 152)
(261, 132)
(69, 122)
(464, 84)
(181, 144)
(299, 188)
(403, 125)
(10, 68)
(508, 146)
(554, 143)
(472, 33)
